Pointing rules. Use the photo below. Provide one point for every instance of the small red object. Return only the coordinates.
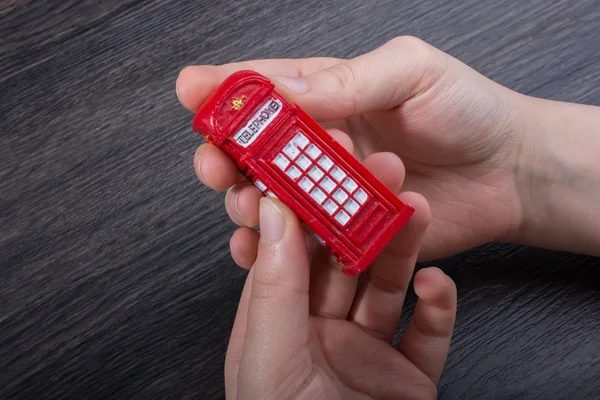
(288, 155)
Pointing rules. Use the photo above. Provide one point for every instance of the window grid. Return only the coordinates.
(344, 186)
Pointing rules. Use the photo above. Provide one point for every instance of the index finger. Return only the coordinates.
(196, 82)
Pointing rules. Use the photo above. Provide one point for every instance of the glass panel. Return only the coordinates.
(316, 173)
(303, 162)
(342, 217)
(293, 172)
(361, 196)
(306, 184)
(300, 140)
(330, 206)
(282, 161)
(318, 195)
(340, 196)
(325, 162)
(313, 151)
(327, 184)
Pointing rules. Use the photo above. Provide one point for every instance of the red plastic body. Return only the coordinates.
(288, 155)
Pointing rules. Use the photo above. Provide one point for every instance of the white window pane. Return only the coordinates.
(330, 206)
(306, 184)
(293, 172)
(313, 151)
(291, 150)
(340, 195)
(325, 162)
(300, 140)
(318, 195)
(342, 217)
(282, 161)
(316, 173)
(349, 185)
(303, 162)
(261, 186)
(271, 194)
(351, 206)
(327, 184)
(360, 196)
(338, 174)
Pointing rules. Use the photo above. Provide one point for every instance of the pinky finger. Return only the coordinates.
(426, 341)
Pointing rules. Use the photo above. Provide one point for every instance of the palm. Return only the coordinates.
(341, 361)
(351, 364)
(454, 157)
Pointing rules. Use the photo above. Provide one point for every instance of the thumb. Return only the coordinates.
(379, 80)
(278, 308)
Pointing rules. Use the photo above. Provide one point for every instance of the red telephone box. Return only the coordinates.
(288, 155)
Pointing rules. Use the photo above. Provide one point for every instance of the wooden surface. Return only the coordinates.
(115, 276)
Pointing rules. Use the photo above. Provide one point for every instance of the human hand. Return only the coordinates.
(454, 130)
(302, 334)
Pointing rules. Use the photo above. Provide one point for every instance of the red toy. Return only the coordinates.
(288, 155)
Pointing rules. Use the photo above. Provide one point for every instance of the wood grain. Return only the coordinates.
(115, 276)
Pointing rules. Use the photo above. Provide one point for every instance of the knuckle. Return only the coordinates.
(341, 75)
(345, 82)
(425, 64)
(266, 285)
(418, 52)
(387, 285)
(411, 44)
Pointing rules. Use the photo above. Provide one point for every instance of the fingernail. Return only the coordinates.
(272, 221)
(198, 168)
(179, 90)
(296, 85)
(177, 93)
(234, 201)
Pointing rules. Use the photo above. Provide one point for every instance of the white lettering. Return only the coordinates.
(257, 124)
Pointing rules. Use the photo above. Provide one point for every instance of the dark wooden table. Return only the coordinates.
(115, 276)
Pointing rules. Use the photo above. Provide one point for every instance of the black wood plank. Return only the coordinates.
(115, 277)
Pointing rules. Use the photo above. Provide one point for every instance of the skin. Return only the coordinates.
(280, 350)
(448, 124)
(478, 161)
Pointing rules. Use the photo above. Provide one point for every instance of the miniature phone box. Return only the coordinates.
(289, 156)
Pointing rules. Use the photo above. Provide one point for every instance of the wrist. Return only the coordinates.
(558, 176)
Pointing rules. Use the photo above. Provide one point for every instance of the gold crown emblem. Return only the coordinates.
(236, 104)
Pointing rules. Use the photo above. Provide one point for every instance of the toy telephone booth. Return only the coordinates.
(286, 154)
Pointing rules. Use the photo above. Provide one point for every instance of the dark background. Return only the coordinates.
(115, 275)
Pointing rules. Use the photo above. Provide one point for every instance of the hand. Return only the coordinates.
(281, 350)
(455, 131)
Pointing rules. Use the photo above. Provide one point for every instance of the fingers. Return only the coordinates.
(277, 325)
(241, 202)
(214, 168)
(382, 79)
(381, 294)
(195, 83)
(331, 291)
(342, 138)
(244, 247)
(235, 348)
(426, 341)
